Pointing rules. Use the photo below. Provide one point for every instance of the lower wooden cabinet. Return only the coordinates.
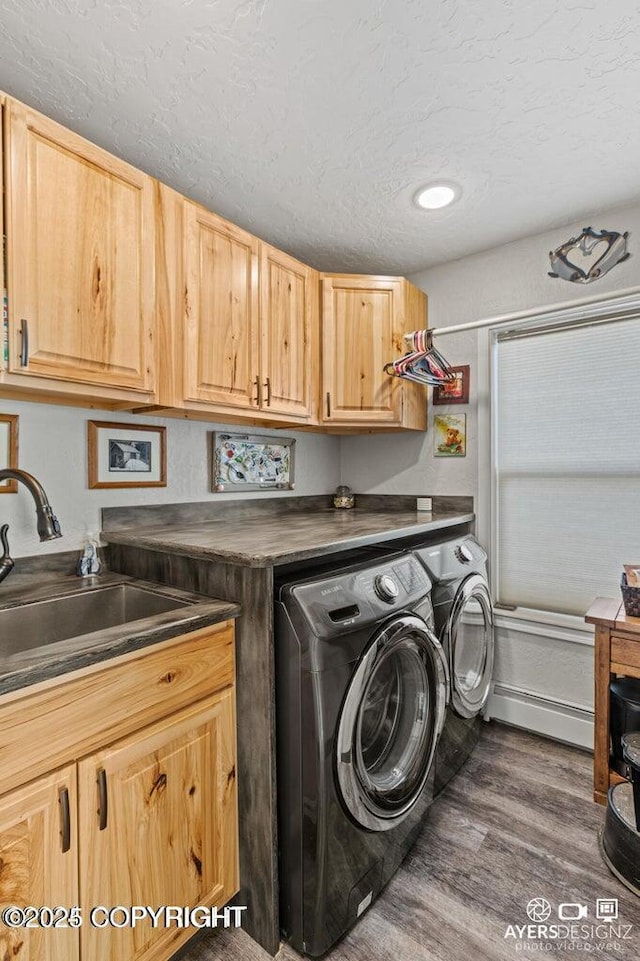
(38, 864)
(157, 815)
(147, 819)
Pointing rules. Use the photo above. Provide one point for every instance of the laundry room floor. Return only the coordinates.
(517, 823)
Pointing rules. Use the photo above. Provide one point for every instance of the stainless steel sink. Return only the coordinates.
(40, 623)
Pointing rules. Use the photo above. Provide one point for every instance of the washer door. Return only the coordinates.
(469, 639)
(390, 722)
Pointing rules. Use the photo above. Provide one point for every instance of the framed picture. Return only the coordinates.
(8, 449)
(126, 455)
(454, 391)
(450, 435)
(251, 462)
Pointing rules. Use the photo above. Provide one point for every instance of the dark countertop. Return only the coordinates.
(275, 539)
(28, 667)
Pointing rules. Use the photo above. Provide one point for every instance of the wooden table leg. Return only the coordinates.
(601, 734)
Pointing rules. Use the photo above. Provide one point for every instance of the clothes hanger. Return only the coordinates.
(422, 365)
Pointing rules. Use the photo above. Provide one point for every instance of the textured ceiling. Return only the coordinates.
(312, 122)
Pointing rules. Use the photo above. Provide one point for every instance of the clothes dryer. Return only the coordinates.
(464, 624)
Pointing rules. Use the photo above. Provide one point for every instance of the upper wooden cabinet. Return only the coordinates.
(221, 311)
(248, 321)
(363, 322)
(80, 258)
(123, 293)
(288, 325)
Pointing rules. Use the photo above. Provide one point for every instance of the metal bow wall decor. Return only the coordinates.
(590, 256)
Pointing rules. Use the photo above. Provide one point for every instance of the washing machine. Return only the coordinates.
(361, 691)
(464, 625)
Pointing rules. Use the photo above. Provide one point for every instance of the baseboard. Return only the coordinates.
(533, 712)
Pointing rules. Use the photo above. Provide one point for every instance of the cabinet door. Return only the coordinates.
(38, 864)
(80, 249)
(288, 316)
(221, 348)
(362, 331)
(158, 817)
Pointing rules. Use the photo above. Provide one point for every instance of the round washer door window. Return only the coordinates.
(470, 642)
(390, 722)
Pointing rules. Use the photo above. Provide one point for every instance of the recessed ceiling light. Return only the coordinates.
(438, 195)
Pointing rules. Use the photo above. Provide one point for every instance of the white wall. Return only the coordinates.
(538, 674)
(53, 446)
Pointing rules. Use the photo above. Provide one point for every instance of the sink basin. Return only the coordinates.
(41, 623)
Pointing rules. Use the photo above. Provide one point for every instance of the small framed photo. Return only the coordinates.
(454, 391)
(450, 435)
(8, 449)
(126, 455)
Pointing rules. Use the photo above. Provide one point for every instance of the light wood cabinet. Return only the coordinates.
(80, 262)
(250, 324)
(363, 322)
(122, 293)
(38, 864)
(157, 814)
(151, 802)
(289, 299)
(221, 312)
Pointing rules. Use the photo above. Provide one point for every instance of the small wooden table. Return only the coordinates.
(617, 651)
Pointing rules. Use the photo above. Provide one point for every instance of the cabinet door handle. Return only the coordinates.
(65, 819)
(258, 397)
(267, 384)
(103, 808)
(328, 404)
(24, 352)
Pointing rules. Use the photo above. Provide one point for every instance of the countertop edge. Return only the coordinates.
(275, 559)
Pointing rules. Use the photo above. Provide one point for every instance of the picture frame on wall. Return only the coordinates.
(455, 391)
(126, 455)
(252, 462)
(8, 449)
(450, 435)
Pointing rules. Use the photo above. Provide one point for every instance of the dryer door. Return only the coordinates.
(469, 641)
(390, 722)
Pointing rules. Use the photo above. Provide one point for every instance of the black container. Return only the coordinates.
(631, 752)
(625, 716)
(620, 841)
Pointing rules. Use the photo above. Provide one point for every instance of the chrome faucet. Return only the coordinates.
(48, 526)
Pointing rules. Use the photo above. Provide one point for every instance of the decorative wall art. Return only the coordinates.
(8, 449)
(450, 435)
(586, 258)
(455, 391)
(252, 462)
(126, 455)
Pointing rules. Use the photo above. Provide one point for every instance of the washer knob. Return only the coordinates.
(463, 554)
(386, 588)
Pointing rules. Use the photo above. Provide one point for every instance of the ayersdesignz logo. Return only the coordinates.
(571, 926)
(539, 909)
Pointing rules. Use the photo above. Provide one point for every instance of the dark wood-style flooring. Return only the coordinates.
(518, 822)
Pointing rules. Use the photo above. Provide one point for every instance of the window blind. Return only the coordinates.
(567, 458)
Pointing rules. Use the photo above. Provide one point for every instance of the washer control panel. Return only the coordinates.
(362, 595)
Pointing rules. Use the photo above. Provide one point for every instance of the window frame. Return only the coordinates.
(586, 311)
